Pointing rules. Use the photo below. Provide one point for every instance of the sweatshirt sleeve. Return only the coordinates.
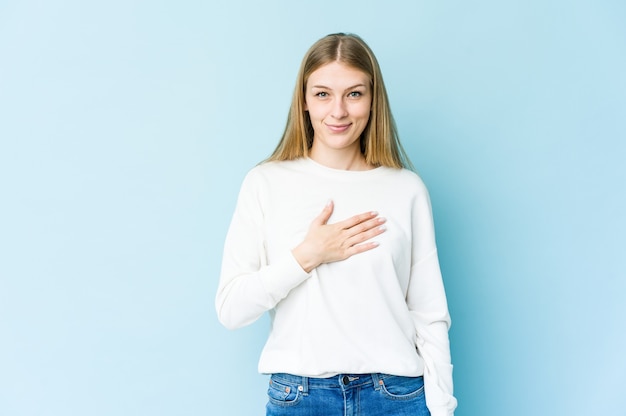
(248, 285)
(427, 302)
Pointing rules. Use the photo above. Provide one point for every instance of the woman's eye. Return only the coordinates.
(355, 94)
(322, 94)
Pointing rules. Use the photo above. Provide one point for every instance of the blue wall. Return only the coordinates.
(127, 126)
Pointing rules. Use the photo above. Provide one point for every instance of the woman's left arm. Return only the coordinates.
(426, 300)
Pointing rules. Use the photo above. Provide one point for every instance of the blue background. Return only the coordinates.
(127, 126)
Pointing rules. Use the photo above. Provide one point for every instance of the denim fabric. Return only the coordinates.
(346, 395)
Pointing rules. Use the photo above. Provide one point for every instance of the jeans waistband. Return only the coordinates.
(343, 381)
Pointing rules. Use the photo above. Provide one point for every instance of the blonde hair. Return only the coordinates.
(379, 141)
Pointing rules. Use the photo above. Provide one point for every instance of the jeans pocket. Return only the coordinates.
(282, 393)
(402, 388)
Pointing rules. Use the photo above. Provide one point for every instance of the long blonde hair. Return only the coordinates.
(379, 141)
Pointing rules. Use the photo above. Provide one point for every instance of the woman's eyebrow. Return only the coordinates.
(349, 88)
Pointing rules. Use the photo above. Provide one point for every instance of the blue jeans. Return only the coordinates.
(346, 395)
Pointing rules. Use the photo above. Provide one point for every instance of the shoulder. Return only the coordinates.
(271, 169)
(406, 180)
(267, 173)
(276, 167)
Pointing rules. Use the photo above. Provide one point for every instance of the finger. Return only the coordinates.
(365, 235)
(357, 219)
(325, 214)
(360, 248)
(365, 226)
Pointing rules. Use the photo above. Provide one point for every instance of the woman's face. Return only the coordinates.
(338, 99)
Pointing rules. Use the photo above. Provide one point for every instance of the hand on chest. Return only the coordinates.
(292, 211)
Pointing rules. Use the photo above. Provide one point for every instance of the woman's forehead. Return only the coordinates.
(337, 74)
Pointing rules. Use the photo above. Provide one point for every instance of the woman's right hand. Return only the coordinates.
(326, 243)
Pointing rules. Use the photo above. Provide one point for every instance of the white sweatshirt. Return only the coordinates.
(381, 311)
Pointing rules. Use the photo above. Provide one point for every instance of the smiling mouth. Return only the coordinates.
(338, 128)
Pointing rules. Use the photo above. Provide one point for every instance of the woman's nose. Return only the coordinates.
(339, 109)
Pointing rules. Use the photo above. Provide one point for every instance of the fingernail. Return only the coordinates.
(382, 228)
(373, 212)
(330, 201)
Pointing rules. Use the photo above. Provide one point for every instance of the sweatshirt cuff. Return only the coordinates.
(440, 411)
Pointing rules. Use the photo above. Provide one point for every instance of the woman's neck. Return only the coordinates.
(340, 160)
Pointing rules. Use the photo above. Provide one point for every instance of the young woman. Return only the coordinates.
(333, 235)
